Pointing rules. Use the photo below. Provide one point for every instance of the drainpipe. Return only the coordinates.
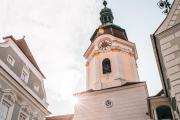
(153, 39)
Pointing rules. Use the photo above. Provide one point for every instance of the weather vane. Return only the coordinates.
(164, 4)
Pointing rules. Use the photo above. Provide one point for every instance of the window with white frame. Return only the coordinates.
(10, 60)
(36, 87)
(25, 74)
(7, 105)
(24, 113)
(37, 116)
(22, 116)
(4, 109)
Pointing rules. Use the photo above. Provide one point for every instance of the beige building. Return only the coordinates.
(22, 93)
(166, 43)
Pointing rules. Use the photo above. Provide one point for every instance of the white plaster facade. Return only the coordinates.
(128, 103)
(122, 87)
(122, 55)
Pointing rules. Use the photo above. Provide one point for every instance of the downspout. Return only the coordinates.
(149, 107)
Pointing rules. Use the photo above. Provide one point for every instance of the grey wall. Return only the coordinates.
(17, 69)
(6, 84)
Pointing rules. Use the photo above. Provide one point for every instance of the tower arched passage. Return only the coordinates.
(164, 112)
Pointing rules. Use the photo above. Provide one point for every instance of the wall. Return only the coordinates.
(17, 69)
(129, 103)
(23, 98)
(168, 43)
(122, 55)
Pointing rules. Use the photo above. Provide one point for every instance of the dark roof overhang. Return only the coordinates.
(111, 29)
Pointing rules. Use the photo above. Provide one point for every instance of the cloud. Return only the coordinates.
(57, 33)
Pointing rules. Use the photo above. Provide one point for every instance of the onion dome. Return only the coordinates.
(107, 27)
(106, 15)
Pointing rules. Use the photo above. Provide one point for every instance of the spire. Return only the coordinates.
(107, 26)
(105, 3)
(106, 15)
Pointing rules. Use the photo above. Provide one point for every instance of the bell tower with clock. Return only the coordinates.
(111, 58)
(113, 89)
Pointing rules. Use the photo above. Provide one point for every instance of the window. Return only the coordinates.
(105, 19)
(7, 104)
(24, 112)
(109, 18)
(36, 116)
(4, 109)
(22, 116)
(10, 60)
(36, 87)
(25, 74)
(106, 64)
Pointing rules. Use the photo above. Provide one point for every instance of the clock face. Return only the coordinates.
(108, 103)
(104, 44)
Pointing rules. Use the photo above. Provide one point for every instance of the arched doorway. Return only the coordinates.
(164, 113)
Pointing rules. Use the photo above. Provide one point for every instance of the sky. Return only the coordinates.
(58, 33)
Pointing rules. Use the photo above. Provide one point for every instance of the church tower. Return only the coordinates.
(111, 58)
(114, 91)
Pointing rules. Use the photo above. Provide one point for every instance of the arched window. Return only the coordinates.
(164, 112)
(106, 64)
(105, 19)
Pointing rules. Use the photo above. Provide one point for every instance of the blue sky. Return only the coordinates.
(58, 33)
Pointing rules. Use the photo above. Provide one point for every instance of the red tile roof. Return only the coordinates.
(21, 43)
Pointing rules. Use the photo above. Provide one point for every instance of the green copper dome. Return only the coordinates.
(106, 15)
(107, 26)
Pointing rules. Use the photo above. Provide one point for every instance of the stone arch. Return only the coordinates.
(164, 112)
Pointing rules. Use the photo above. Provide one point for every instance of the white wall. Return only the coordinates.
(129, 103)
